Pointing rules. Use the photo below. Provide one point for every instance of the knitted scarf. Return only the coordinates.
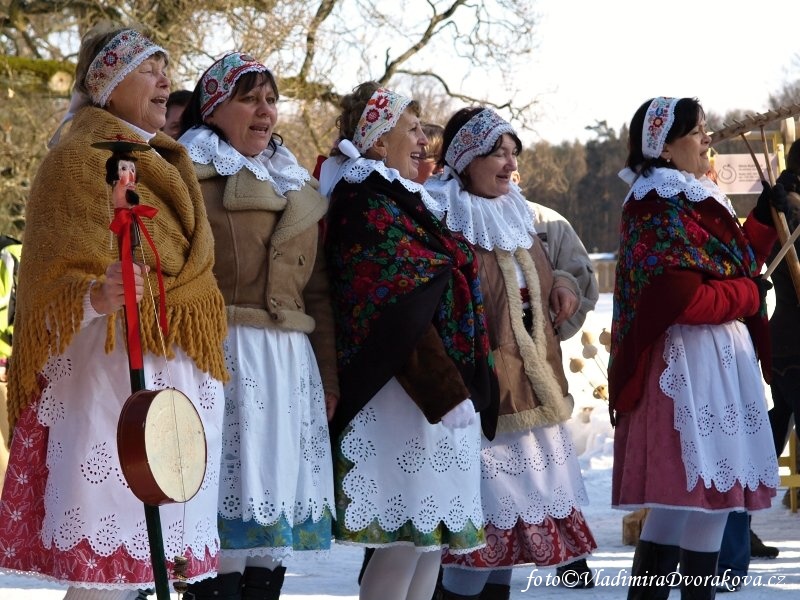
(668, 248)
(395, 269)
(68, 244)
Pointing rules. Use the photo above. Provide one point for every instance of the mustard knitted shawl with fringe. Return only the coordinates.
(68, 244)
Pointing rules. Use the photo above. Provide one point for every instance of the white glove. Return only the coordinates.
(460, 416)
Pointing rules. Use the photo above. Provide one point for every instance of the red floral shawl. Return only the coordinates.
(668, 248)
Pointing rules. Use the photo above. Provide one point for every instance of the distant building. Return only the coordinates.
(604, 265)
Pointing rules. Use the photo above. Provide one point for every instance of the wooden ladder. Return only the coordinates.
(792, 480)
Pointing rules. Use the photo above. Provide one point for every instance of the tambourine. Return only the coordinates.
(162, 446)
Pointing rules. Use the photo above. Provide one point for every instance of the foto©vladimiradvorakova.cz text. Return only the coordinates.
(622, 578)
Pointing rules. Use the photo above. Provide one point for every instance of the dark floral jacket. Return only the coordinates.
(406, 297)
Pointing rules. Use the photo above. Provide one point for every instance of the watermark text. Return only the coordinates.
(623, 578)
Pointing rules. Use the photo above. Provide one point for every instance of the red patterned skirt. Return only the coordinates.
(531, 492)
(551, 543)
(22, 515)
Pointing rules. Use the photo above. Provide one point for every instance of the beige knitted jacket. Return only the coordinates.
(68, 244)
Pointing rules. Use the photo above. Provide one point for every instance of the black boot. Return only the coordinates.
(443, 594)
(576, 575)
(495, 591)
(259, 583)
(701, 569)
(439, 593)
(368, 552)
(652, 560)
(759, 549)
(222, 587)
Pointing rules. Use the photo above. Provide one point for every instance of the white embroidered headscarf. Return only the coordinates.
(115, 61)
(504, 222)
(277, 166)
(658, 121)
(475, 138)
(219, 80)
(379, 116)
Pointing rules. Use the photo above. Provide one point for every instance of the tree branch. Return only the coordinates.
(323, 12)
(392, 66)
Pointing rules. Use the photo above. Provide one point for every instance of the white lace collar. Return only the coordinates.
(670, 182)
(356, 170)
(505, 222)
(280, 169)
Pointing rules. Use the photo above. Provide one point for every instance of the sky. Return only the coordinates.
(601, 59)
(334, 576)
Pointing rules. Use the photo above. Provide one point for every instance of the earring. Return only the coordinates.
(669, 160)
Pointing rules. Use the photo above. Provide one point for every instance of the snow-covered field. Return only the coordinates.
(334, 576)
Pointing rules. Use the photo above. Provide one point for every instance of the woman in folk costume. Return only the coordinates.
(692, 438)
(68, 513)
(413, 355)
(532, 485)
(276, 484)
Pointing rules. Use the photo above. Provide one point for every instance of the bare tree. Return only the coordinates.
(790, 93)
(469, 51)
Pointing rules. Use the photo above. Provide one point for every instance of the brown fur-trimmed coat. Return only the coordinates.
(533, 387)
(268, 260)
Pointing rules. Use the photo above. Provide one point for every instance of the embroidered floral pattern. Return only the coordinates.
(475, 138)
(280, 539)
(104, 560)
(658, 121)
(671, 235)
(218, 81)
(126, 51)
(380, 115)
(398, 250)
(548, 543)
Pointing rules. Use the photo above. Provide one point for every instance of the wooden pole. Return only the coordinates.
(152, 515)
(119, 151)
(782, 226)
(778, 218)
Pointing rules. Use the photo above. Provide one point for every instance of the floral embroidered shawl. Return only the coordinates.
(668, 248)
(395, 269)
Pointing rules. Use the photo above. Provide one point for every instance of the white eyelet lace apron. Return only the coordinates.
(93, 528)
(720, 410)
(530, 475)
(401, 469)
(532, 486)
(276, 473)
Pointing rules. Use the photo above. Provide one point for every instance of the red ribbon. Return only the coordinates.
(122, 225)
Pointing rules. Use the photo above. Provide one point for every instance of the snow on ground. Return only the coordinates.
(334, 576)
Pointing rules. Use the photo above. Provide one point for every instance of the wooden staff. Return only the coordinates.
(741, 127)
(160, 438)
(787, 247)
(121, 151)
(779, 219)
